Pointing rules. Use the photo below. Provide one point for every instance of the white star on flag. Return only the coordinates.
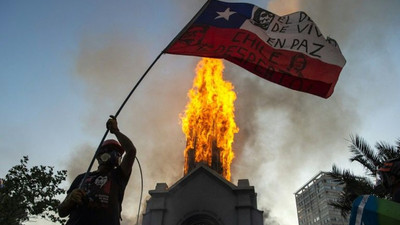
(226, 14)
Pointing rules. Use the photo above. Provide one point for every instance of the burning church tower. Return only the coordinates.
(205, 195)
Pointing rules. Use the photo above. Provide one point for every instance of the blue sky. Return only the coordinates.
(66, 65)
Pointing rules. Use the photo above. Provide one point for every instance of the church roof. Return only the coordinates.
(203, 169)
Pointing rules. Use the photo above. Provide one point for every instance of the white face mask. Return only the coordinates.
(110, 158)
(105, 157)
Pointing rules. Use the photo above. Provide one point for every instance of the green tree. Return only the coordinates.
(371, 159)
(30, 193)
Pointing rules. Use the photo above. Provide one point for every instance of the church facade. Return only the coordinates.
(203, 197)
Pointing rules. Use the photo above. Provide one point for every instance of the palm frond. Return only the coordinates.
(364, 154)
(339, 175)
(336, 173)
(387, 151)
(354, 186)
(342, 205)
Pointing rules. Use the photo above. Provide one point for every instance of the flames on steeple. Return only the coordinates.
(208, 121)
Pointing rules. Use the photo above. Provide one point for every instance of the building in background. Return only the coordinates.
(312, 201)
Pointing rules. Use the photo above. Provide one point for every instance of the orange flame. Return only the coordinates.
(209, 116)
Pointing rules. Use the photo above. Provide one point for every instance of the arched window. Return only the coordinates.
(200, 219)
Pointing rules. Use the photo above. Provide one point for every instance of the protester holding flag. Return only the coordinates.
(97, 199)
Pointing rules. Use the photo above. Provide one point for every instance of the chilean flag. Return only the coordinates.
(370, 210)
(288, 50)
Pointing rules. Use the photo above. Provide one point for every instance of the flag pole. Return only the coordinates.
(139, 81)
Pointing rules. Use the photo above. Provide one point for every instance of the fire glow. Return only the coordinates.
(208, 121)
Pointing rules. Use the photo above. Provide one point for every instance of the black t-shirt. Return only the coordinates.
(102, 203)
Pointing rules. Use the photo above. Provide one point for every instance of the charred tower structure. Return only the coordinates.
(216, 164)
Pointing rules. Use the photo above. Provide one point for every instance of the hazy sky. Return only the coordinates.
(65, 66)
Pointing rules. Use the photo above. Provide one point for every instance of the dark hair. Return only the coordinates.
(257, 18)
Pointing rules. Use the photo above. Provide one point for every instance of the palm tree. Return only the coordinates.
(370, 159)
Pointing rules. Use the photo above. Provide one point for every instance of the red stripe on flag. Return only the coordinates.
(291, 69)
